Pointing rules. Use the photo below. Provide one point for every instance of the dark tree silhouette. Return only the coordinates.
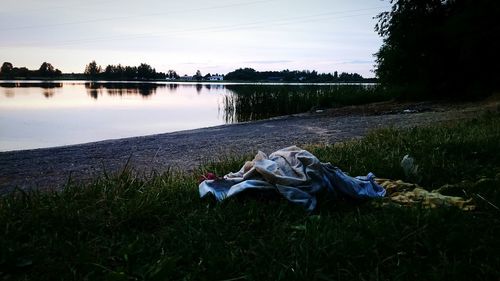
(440, 48)
(116, 72)
(244, 74)
(198, 75)
(6, 69)
(249, 74)
(92, 70)
(172, 74)
(47, 70)
(26, 73)
(145, 71)
(131, 72)
(119, 72)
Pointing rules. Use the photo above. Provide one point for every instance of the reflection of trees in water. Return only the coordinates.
(253, 102)
(43, 85)
(94, 89)
(214, 86)
(48, 92)
(199, 87)
(48, 87)
(9, 93)
(172, 87)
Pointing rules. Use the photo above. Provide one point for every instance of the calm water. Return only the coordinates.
(47, 114)
(35, 115)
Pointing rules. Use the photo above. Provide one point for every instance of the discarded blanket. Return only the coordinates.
(294, 173)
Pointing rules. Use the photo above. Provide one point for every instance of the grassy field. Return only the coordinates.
(124, 228)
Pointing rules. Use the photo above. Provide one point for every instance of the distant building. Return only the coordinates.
(216, 78)
(186, 77)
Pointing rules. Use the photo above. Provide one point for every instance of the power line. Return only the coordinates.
(223, 28)
(137, 16)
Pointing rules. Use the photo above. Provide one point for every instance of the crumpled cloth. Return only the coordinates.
(294, 173)
(409, 194)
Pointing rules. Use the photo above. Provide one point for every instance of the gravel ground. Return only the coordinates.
(185, 150)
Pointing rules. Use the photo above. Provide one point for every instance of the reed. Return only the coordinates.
(254, 102)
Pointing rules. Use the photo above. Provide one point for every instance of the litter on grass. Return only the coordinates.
(294, 173)
(299, 176)
(404, 193)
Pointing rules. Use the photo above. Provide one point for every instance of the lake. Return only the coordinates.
(37, 114)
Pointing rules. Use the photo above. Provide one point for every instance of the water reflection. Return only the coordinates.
(199, 87)
(236, 102)
(48, 88)
(216, 87)
(172, 87)
(30, 113)
(9, 93)
(43, 85)
(48, 92)
(94, 89)
(81, 111)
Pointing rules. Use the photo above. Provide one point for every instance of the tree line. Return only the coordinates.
(250, 74)
(144, 71)
(119, 72)
(46, 70)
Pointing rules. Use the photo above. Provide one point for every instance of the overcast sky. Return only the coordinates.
(212, 36)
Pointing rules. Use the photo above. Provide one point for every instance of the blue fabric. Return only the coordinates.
(294, 173)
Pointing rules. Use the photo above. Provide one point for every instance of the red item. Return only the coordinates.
(208, 176)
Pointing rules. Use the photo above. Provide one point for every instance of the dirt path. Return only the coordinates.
(51, 167)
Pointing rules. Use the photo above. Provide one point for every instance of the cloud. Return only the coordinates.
(358, 62)
(267, 61)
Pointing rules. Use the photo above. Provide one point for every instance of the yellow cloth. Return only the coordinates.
(410, 194)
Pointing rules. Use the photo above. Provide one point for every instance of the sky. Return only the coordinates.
(212, 36)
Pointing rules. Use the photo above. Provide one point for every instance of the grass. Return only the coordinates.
(125, 228)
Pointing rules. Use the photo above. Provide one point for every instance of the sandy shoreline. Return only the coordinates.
(185, 150)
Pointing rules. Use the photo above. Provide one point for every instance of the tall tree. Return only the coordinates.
(198, 76)
(145, 71)
(440, 48)
(172, 74)
(48, 70)
(92, 69)
(6, 70)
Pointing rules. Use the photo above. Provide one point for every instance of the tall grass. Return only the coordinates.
(254, 102)
(445, 154)
(125, 228)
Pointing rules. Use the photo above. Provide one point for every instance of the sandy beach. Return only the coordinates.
(186, 150)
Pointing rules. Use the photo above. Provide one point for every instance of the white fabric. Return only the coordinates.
(296, 174)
